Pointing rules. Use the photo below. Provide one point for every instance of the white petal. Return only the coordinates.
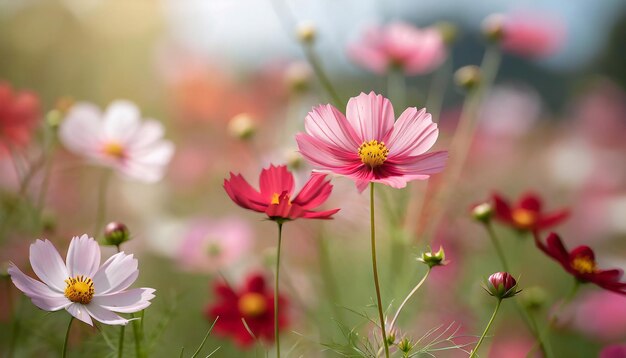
(116, 274)
(149, 164)
(41, 295)
(121, 121)
(83, 256)
(48, 265)
(150, 132)
(127, 301)
(80, 312)
(81, 129)
(105, 316)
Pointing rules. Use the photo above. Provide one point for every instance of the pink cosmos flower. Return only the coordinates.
(600, 315)
(117, 139)
(613, 351)
(19, 112)
(366, 146)
(399, 45)
(275, 198)
(80, 285)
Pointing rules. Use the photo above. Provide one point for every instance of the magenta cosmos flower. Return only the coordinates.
(366, 146)
(118, 139)
(276, 197)
(80, 285)
(401, 46)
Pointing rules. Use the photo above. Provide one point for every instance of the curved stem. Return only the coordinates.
(419, 284)
(480, 341)
(276, 335)
(375, 269)
(67, 336)
(496, 244)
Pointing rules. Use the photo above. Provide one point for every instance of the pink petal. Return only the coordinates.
(243, 194)
(104, 315)
(430, 55)
(425, 164)
(413, 134)
(41, 295)
(80, 131)
(369, 57)
(48, 265)
(83, 256)
(324, 157)
(329, 125)
(116, 274)
(314, 193)
(127, 301)
(371, 116)
(121, 121)
(275, 180)
(80, 312)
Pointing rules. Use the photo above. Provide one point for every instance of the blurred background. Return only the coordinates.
(552, 124)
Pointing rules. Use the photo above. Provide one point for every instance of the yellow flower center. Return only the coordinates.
(276, 199)
(584, 264)
(524, 218)
(114, 149)
(373, 153)
(252, 304)
(79, 289)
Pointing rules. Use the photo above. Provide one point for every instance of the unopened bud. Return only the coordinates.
(502, 285)
(405, 345)
(433, 258)
(468, 77)
(298, 76)
(294, 160)
(391, 337)
(482, 212)
(493, 27)
(242, 126)
(307, 33)
(534, 298)
(449, 31)
(116, 233)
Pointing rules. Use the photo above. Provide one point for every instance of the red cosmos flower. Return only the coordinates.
(581, 263)
(19, 112)
(527, 213)
(276, 195)
(254, 303)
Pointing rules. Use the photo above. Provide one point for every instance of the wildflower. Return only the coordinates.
(276, 196)
(19, 112)
(366, 145)
(502, 285)
(80, 285)
(527, 213)
(117, 139)
(581, 263)
(253, 303)
(400, 46)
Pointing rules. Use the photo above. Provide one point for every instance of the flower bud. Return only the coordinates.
(307, 33)
(493, 27)
(294, 160)
(502, 285)
(433, 258)
(449, 31)
(405, 345)
(242, 126)
(482, 212)
(56, 115)
(534, 298)
(116, 233)
(468, 77)
(391, 337)
(298, 77)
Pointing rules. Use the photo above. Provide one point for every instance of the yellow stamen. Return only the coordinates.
(114, 149)
(373, 153)
(584, 264)
(252, 304)
(524, 218)
(79, 289)
(275, 199)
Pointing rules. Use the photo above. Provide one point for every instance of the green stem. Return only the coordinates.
(276, 326)
(375, 269)
(138, 333)
(496, 244)
(329, 279)
(15, 325)
(480, 341)
(437, 91)
(120, 345)
(101, 208)
(396, 87)
(419, 284)
(67, 336)
(315, 63)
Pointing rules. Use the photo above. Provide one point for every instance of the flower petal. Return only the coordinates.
(80, 131)
(41, 295)
(275, 180)
(105, 316)
(329, 125)
(121, 121)
(324, 157)
(413, 134)
(371, 116)
(48, 265)
(531, 202)
(116, 274)
(127, 301)
(83, 256)
(424, 164)
(314, 193)
(151, 131)
(243, 194)
(148, 164)
(80, 312)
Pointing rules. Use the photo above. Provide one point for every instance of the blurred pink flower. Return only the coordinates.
(210, 245)
(601, 315)
(19, 112)
(399, 45)
(512, 347)
(80, 285)
(530, 35)
(367, 146)
(117, 139)
(613, 351)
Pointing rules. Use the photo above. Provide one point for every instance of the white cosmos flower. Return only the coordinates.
(118, 139)
(80, 285)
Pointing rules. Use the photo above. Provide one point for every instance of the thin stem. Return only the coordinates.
(329, 279)
(102, 197)
(496, 244)
(315, 63)
(120, 345)
(276, 334)
(67, 336)
(396, 87)
(138, 333)
(419, 284)
(437, 90)
(480, 341)
(15, 326)
(375, 269)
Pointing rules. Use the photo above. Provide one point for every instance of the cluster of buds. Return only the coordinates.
(501, 285)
